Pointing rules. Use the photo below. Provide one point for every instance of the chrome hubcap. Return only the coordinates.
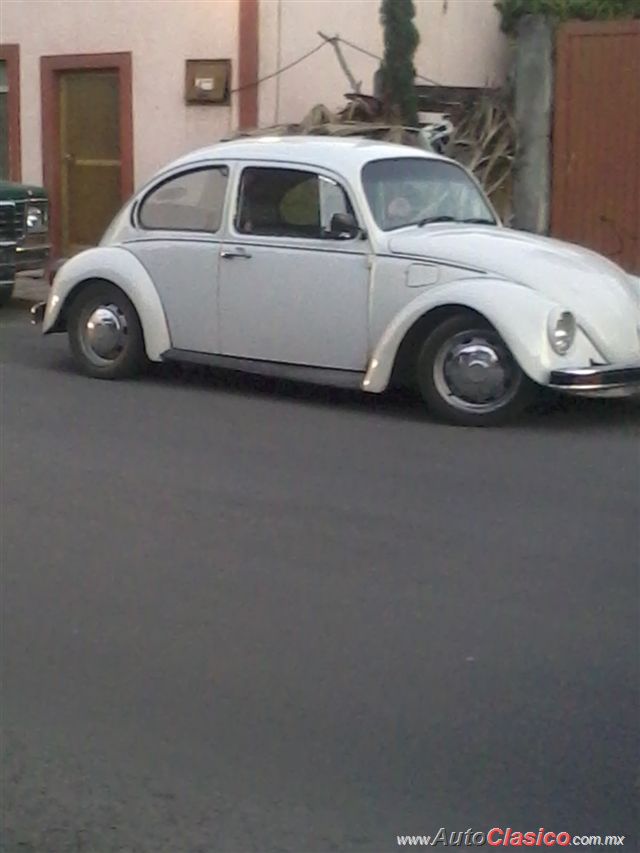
(475, 371)
(104, 333)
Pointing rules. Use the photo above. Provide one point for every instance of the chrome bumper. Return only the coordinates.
(621, 379)
(37, 313)
(32, 258)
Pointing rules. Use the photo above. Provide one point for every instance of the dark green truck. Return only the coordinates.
(24, 233)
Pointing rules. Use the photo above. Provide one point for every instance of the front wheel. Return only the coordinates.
(467, 375)
(105, 335)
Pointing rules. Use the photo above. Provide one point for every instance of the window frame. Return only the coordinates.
(313, 171)
(191, 170)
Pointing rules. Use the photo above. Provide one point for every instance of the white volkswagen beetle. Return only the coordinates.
(350, 263)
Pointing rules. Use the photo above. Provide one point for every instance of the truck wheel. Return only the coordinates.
(105, 335)
(467, 375)
(5, 295)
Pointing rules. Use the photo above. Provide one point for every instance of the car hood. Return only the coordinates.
(600, 294)
(10, 191)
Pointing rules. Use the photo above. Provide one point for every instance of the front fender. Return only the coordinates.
(519, 315)
(116, 265)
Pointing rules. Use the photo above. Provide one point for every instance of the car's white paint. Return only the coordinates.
(184, 272)
(284, 287)
(499, 300)
(594, 289)
(119, 266)
(343, 156)
(349, 303)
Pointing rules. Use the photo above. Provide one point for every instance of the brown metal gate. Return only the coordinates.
(596, 139)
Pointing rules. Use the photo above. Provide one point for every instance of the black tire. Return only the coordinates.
(516, 390)
(5, 296)
(129, 357)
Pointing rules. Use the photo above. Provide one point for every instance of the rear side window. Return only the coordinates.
(192, 201)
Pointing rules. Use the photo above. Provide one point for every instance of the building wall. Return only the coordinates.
(460, 45)
(160, 34)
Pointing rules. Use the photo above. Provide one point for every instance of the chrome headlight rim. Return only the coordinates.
(36, 219)
(561, 330)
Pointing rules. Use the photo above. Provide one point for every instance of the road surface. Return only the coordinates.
(243, 615)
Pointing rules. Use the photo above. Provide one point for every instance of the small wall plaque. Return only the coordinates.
(208, 81)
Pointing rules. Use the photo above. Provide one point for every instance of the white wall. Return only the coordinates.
(461, 45)
(160, 34)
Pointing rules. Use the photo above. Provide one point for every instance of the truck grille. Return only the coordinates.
(21, 223)
(8, 222)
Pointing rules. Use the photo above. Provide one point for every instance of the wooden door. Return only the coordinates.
(87, 144)
(90, 159)
(596, 139)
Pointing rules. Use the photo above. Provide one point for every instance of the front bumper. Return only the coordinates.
(32, 258)
(37, 313)
(619, 380)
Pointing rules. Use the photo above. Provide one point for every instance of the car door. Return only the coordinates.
(178, 241)
(291, 290)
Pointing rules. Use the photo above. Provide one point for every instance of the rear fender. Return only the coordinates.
(117, 266)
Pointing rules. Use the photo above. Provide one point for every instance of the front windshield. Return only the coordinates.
(417, 190)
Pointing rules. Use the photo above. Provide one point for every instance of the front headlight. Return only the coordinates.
(562, 331)
(36, 218)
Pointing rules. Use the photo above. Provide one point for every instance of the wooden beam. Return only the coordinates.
(248, 65)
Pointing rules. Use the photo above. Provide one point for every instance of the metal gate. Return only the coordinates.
(596, 139)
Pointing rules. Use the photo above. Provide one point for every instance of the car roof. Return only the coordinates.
(323, 151)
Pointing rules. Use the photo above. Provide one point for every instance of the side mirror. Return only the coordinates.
(344, 226)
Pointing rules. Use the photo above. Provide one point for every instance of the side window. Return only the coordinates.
(299, 207)
(333, 199)
(288, 203)
(192, 201)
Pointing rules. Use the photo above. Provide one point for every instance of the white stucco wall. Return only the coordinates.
(160, 34)
(461, 45)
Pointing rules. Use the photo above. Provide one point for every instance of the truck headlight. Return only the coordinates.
(562, 331)
(36, 219)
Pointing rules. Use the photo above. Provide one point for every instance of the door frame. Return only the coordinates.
(51, 68)
(10, 53)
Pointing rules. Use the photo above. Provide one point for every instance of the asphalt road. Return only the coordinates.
(241, 615)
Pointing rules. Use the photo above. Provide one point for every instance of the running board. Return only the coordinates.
(279, 370)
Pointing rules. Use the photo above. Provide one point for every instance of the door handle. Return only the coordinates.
(235, 253)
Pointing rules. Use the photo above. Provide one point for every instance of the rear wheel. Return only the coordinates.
(467, 375)
(105, 335)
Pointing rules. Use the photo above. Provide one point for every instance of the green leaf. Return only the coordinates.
(511, 11)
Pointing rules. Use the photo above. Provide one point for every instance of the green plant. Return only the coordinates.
(401, 39)
(562, 10)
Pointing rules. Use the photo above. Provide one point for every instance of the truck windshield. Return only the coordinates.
(419, 191)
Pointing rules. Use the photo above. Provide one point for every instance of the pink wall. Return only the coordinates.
(161, 35)
(461, 45)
